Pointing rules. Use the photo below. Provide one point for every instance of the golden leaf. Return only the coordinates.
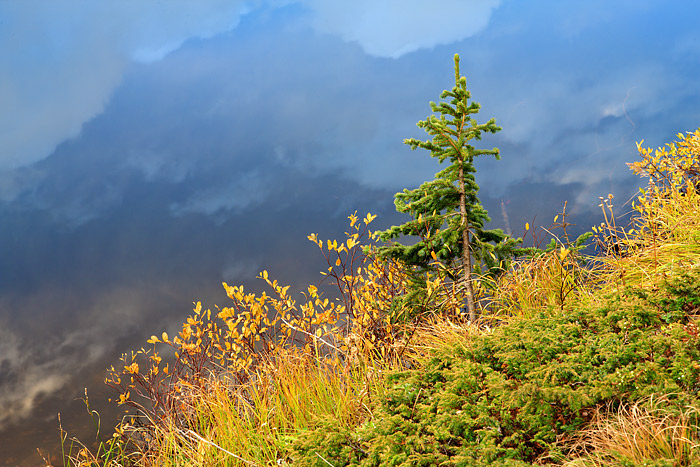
(563, 253)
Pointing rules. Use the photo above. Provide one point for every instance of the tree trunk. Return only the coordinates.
(466, 247)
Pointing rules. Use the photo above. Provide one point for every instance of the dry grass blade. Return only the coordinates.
(648, 430)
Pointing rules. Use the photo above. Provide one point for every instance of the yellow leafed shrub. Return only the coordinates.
(239, 343)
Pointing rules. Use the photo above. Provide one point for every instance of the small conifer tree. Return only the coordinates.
(447, 214)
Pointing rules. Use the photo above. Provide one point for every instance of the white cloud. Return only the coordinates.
(392, 28)
(236, 270)
(45, 363)
(60, 61)
(247, 190)
(26, 380)
(156, 165)
(570, 124)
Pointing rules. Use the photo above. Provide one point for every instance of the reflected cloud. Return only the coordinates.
(61, 62)
(244, 191)
(393, 28)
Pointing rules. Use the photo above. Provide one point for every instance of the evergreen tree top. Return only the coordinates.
(455, 127)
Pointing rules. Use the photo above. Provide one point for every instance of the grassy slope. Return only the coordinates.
(590, 364)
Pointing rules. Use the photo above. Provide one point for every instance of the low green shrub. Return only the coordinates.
(518, 395)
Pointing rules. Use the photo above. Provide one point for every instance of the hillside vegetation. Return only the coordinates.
(576, 360)
(524, 357)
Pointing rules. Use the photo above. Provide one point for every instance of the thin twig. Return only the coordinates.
(324, 460)
(190, 433)
(311, 335)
